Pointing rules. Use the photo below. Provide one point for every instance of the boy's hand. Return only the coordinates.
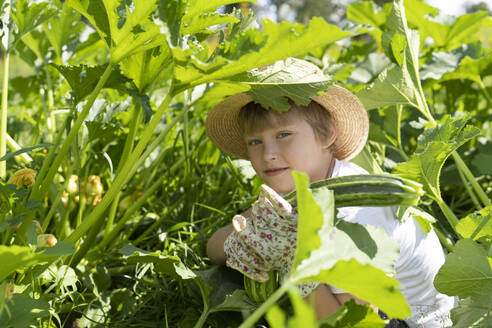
(265, 242)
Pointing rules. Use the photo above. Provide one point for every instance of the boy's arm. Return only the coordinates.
(215, 245)
(326, 303)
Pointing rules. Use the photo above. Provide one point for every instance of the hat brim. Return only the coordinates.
(346, 111)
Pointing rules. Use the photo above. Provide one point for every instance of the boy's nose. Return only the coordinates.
(270, 152)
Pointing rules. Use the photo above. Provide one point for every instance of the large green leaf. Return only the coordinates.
(61, 29)
(451, 36)
(466, 272)
(325, 253)
(307, 234)
(434, 147)
(473, 312)
(367, 12)
(15, 257)
(273, 86)
(197, 7)
(393, 86)
(83, 79)
(443, 62)
(370, 68)
(23, 311)
(145, 67)
(353, 315)
(218, 92)
(304, 315)
(200, 22)
(28, 15)
(252, 48)
(19, 257)
(165, 264)
(126, 28)
(471, 69)
(476, 225)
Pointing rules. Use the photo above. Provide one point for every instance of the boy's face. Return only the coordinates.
(285, 146)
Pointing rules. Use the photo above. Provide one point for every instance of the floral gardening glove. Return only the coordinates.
(265, 242)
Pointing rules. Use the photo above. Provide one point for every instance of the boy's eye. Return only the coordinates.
(283, 134)
(254, 142)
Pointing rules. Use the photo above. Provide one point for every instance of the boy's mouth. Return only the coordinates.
(273, 172)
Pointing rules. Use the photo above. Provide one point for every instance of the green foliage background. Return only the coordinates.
(120, 90)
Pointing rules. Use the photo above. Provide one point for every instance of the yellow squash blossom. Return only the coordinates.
(23, 177)
(46, 240)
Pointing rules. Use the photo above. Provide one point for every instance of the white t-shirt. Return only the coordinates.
(421, 256)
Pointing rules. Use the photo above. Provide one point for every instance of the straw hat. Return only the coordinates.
(347, 113)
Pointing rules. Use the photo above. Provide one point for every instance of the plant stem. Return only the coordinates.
(38, 193)
(448, 213)
(128, 214)
(130, 138)
(122, 176)
(51, 103)
(53, 208)
(445, 241)
(469, 190)
(485, 92)
(158, 141)
(46, 163)
(14, 146)
(471, 179)
(203, 316)
(253, 318)
(154, 225)
(3, 115)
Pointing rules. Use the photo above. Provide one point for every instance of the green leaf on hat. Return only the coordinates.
(272, 86)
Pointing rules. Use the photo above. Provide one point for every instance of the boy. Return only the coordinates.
(318, 139)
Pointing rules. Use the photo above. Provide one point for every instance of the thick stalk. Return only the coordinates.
(86, 245)
(46, 163)
(14, 146)
(157, 141)
(470, 191)
(38, 194)
(3, 115)
(253, 318)
(445, 241)
(58, 198)
(471, 179)
(485, 92)
(124, 175)
(448, 213)
(130, 138)
(51, 104)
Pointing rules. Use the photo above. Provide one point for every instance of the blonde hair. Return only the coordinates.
(253, 117)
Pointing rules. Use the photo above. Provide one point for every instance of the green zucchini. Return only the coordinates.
(260, 291)
(368, 190)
